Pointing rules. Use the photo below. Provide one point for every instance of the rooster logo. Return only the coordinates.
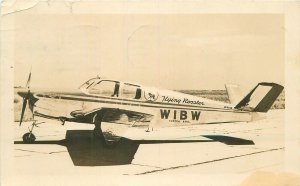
(151, 96)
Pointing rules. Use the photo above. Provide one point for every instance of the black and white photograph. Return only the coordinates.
(149, 93)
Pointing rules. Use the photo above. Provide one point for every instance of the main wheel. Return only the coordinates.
(28, 138)
(110, 144)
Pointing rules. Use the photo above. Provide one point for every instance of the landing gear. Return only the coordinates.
(99, 135)
(29, 137)
(98, 131)
(110, 143)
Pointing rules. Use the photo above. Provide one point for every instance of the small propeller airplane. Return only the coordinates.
(128, 105)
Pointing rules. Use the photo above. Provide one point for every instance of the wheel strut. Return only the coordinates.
(29, 137)
(97, 120)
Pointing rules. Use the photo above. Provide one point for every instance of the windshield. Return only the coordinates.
(89, 83)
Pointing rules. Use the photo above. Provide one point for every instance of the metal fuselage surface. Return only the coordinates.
(169, 108)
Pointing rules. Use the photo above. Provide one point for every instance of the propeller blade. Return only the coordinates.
(28, 80)
(23, 109)
(26, 98)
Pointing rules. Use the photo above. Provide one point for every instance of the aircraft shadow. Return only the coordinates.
(228, 140)
(86, 150)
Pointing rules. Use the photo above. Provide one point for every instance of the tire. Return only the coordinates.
(110, 144)
(28, 138)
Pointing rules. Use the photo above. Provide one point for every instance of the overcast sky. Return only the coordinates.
(188, 51)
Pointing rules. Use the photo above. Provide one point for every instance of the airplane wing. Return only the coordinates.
(113, 115)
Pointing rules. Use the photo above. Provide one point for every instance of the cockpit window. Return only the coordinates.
(105, 88)
(131, 91)
(89, 83)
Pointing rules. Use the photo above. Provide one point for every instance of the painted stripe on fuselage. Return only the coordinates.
(119, 101)
(80, 94)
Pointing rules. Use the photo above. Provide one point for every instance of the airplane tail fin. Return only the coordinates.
(261, 98)
(234, 93)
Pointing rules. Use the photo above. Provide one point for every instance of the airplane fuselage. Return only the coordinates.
(169, 108)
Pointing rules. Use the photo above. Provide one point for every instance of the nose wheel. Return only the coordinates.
(29, 137)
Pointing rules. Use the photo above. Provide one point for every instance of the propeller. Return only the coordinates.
(25, 98)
